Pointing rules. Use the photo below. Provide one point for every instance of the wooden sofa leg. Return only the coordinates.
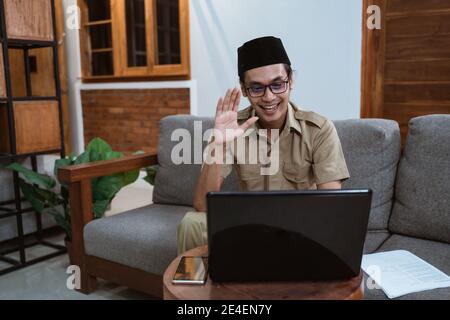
(88, 283)
(81, 214)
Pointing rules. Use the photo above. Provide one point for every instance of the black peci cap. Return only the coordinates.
(261, 52)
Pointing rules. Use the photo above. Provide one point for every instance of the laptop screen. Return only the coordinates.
(287, 235)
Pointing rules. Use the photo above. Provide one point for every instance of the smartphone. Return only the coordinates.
(191, 270)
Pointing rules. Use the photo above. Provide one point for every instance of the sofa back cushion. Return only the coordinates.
(371, 148)
(372, 151)
(422, 206)
(175, 183)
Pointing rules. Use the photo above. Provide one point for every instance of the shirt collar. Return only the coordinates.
(291, 121)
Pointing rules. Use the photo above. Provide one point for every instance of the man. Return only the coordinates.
(309, 153)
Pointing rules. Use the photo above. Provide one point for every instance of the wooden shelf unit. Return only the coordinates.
(30, 125)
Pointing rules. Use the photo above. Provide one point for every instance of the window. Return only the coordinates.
(134, 39)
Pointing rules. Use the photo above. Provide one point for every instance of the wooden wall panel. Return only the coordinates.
(27, 19)
(409, 62)
(410, 71)
(419, 25)
(37, 126)
(418, 48)
(428, 93)
(401, 6)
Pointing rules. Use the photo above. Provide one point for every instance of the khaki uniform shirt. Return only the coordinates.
(310, 153)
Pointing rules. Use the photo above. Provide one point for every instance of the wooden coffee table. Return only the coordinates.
(331, 290)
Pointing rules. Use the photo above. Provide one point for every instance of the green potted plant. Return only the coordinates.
(46, 196)
(151, 174)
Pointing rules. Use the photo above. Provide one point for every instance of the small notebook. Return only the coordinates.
(400, 272)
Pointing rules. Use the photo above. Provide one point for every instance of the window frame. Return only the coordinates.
(121, 70)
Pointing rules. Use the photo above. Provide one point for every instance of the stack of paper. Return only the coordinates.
(400, 272)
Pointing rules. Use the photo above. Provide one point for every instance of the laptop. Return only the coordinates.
(294, 235)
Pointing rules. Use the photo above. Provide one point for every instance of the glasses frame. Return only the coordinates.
(270, 88)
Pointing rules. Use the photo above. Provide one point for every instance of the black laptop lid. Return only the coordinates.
(287, 235)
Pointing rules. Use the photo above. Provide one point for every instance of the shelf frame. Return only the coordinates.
(19, 210)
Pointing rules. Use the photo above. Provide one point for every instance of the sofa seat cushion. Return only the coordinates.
(372, 151)
(433, 252)
(422, 206)
(374, 239)
(143, 238)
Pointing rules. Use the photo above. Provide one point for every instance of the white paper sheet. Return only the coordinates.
(400, 272)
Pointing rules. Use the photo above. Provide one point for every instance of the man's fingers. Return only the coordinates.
(219, 108)
(237, 100)
(230, 102)
(248, 123)
(233, 95)
(226, 101)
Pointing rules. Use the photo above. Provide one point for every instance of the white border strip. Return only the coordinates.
(190, 84)
(137, 85)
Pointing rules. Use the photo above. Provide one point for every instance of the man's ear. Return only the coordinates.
(244, 92)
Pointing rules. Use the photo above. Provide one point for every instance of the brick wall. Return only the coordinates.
(128, 119)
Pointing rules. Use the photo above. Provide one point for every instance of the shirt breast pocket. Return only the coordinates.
(251, 178)
(297, 176)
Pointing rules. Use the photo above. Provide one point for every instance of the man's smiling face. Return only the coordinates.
(271, 108)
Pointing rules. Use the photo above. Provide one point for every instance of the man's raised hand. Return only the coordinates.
(226, 127)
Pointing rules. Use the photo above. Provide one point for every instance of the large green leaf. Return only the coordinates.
(110, 155)
(82, 158)
(59, 163)
(129, 177)
(29, 192)
(151, 174)
(62, 221)
(106, 187)
(99, 145)
(32, 177)
(94, 155)
(51, 198)
(132, 176)
(100, 207)
(65, 194)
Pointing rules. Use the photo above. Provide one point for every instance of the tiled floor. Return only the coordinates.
(47, 280)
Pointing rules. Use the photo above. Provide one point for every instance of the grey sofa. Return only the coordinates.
(410, 208)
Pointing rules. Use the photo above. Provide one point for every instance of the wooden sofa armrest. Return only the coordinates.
(78, 178)
(97, 169)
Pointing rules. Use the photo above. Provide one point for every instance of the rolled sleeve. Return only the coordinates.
(328, 157)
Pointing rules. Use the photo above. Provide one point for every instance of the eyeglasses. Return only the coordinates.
(277, 87)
